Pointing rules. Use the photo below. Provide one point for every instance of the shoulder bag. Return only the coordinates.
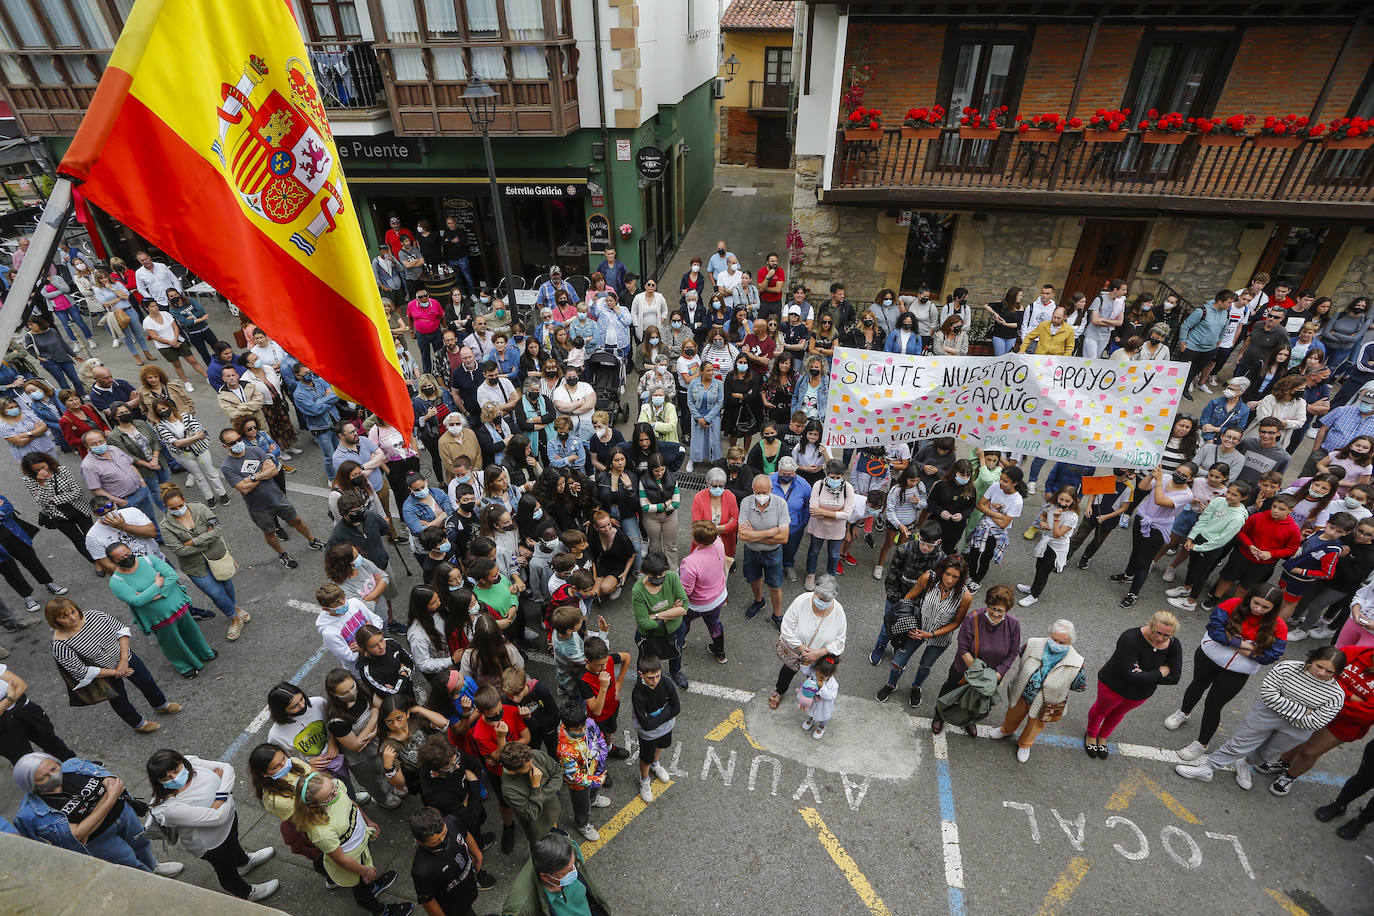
(790, 657)
(660, 644)
(92, 694)
(224, 566)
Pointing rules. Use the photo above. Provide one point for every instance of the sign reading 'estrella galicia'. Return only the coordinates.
(651, 162)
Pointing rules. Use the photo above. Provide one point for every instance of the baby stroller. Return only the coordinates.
(606, 374)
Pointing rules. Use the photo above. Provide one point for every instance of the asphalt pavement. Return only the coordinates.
(879, 817)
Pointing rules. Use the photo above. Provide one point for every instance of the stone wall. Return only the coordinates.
(1352, 272)
(841, 243)
(1204, 256)
(987, 256)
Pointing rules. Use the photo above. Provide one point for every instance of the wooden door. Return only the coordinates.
(1107, 249)
(1300, 254)
(774, 152)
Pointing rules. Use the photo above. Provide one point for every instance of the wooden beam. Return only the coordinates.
(1083, 65)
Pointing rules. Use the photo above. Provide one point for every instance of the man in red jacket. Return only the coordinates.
(1264, 539)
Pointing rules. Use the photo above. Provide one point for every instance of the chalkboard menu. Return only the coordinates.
(464, 211)
(598, 232)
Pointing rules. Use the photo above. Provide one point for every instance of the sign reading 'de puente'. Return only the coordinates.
(1101, 412)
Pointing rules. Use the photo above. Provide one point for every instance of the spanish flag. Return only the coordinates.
(207, 136)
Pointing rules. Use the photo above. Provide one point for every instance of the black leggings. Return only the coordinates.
(1043, 567)
(1196, 360)
(26, 725)
(1359, 784)
(785, 675)
(22, 553)
(226, 859)
(76, 533)
(1099, 531)
(1143, 550)
(1200, 566)
(1224, 687)
(980, 559)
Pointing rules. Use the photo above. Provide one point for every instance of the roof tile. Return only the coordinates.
(759, 15)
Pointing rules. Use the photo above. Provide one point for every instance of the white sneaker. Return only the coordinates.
(1321, 633)
(1022, 754)
(263, 891)
(589, 832)
(1176, 719)
(1312, 431)
(1023, 589)
(877, 572)
(362, 797)
(1030, 488)
(687, 468)
(1244, 777)
(810, 582)
(1178, 591)
(601, 801)
(1198, 771)
(1028, 601)
(997, 734)
(1183, 603)
(1296, 634)
(659, 772)
(646, 791)
(1168, 574)
(973, 586)
(190, 388)
(168, 869)
(1193, 751)
(257, 858)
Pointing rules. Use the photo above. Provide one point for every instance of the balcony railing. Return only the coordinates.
(768, 96)
(1128, 176)
(348, 75)
(50, 90)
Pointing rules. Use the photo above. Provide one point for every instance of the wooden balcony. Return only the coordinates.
(768, 97)
(524, 107)
(55, 90)
(1072, 172)
(349, 78)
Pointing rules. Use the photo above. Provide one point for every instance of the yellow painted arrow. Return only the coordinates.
(733, 722)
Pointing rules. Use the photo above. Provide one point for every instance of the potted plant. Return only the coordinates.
(1171, 128)
(1223, 131)
(1286, 132)
(974, 125)
(864, 124)
(626, 230)
(922, 123)
(1044, 128)
(1350, 133)
(1107, 125)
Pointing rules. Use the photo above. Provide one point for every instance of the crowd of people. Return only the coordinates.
(542, 506)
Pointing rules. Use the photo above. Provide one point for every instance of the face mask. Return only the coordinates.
(1367, 407)
(653, 341)
(179, 512)
(720, 251)
(493, 382)
(786, 478)
(103, 448)
(1178, 479)
(15, 411)
(656, 581)
(822, 604)
(552, 545)
(769, 437)
(537, 514)
(696, 268)
(338, 611)
(444, 547)
(717, 491)
(834, 483)
(887, 302)
(35, 395)
(350, 697)
(485, 299)
(128, 562)
(1352, 503)
(961, 479)
(422, 493)
(358, 562)
(238, 448)
(177, 781)
(816, 372)
(657, 400)
(281, 774)
(569, 879)
(356, 515)
(762, 501)
(676, 324)
(742, 367)
(467, 505)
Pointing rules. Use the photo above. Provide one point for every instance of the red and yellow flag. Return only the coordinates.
(208, 137)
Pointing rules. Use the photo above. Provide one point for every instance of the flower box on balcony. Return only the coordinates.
(1277, 141)
(1221, 139)
(1104, 136)
(1163, 137)
(853, 135)
(979, 133)
(920, 133)
(1332, 142)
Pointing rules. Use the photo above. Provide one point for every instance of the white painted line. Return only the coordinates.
(307, 489)
(303, 605)
(954, 867)
(732, 694)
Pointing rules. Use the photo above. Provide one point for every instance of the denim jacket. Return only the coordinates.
(416, 513)
(318, 402)
(37, 820)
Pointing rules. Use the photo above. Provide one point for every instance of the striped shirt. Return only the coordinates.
(60, 489)
(94, 647)
(1299, 697)
(171, 430)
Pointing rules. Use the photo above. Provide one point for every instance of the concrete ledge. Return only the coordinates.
(37, 878)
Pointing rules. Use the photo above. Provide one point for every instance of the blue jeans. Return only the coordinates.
(789, 550)
(123, 843)
(222, 594)
(142, 500)
(1334, 358)
(1036, 465)
(72, 316)
(135, 338)
(328, 441)
(142, 678)
(155, 479)
(631, 528)
(430, 343)
(883, 639)
(64, 373)
(813, 551)
(1002, 345)
(901, 656)
(463, 267)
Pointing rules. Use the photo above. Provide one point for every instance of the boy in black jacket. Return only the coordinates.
(450, 781)
(536, 706)
(1334, 596)
(655, 704)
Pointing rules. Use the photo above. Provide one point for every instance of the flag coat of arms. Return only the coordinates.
(207, 136)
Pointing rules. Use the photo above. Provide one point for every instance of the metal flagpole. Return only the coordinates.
(42, 244)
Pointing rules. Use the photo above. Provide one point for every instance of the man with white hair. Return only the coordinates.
(763, 530)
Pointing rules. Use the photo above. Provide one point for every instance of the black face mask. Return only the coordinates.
(815, 373)
(356, 515)
(128, 562)
(1178, 479)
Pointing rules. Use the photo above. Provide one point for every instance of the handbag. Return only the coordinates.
(1052, 712)
(659, 644)
(790, 657)
(223, 567)
(92, 694)
(122, 318)
(53, 516)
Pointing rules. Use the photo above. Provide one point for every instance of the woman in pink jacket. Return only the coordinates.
(703, 579)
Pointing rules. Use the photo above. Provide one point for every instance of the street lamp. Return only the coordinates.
(731, 67)
(480, 101)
